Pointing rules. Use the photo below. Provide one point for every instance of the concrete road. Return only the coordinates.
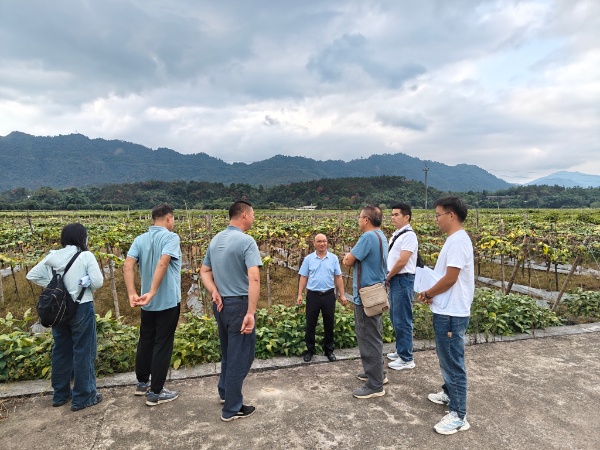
(535, 394)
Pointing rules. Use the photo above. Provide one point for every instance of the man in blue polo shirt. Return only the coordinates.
(159, 256)
(230, 272)
(318, 272)
(371, 252)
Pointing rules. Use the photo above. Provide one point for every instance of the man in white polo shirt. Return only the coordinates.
(401, 265)
(318, 273)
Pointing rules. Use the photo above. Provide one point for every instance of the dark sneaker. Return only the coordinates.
(308, 356)
(142, 388)
(365, 392)
(330, 356)
(165, 396)
(245, 411)
(363, 377)
(56, 404)
(79, 408)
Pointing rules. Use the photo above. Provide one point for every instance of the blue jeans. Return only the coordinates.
(74, 352)
(451, 354)
(401, 296)
(237, 353)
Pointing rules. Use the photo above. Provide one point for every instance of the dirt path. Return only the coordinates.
(535, 394)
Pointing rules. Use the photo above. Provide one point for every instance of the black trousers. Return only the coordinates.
(155, 347)
(325, 304)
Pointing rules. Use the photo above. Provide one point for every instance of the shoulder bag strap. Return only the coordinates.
(71, 263)
(358, 279)
(381, 252)
(397, 236)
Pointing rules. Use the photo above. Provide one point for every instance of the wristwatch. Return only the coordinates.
(427, 296)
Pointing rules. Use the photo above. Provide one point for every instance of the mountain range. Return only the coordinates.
(74, 160)
(568, 179)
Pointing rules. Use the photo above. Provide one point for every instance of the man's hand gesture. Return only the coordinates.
(216, 298)
(248, 324)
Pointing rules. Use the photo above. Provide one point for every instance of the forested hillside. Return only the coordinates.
(77, 161)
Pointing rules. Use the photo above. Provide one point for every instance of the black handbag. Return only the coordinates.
(55, 305)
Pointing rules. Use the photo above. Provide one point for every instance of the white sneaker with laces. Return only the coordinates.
(440, 398)
(398, 364)
(392, 356)
(451, 424)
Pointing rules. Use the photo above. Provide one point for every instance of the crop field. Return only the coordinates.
(543, 241)
(538, 251)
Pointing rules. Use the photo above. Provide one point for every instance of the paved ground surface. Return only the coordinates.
(535, 394)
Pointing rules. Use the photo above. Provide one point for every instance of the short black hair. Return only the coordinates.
(454, 204)
(374, 214)
(74, 234)
(162, 210)
(404, 209)
(238, 208)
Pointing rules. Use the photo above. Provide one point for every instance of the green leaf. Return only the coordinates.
(176, 364)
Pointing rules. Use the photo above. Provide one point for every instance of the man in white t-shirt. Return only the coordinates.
(455, 263)
(401, 266)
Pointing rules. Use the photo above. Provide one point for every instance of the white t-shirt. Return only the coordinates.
(458, 252)
(408, 242)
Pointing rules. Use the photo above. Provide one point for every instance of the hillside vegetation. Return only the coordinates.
(330, 193)
(77, 161)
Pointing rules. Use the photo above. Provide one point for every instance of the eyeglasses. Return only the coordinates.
(437, 216)
(362, 217)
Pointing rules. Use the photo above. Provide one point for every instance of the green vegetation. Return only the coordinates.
(279, 331)
(329, 193)
(74, 160)
(583, 304)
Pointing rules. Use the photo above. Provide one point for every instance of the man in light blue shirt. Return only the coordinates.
(159, 256)
(318, 272)
(371, 252)
(230, 272)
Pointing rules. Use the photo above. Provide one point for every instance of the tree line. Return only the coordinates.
(328, 193)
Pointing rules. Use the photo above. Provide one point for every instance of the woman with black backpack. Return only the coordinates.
(74, 331)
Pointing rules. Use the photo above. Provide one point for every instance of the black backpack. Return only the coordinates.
(420, 262)
(55, 305)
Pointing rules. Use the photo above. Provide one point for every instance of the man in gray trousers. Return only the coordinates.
(371, 251)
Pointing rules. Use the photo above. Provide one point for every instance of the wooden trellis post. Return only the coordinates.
(517, 263)
(113, 284)
(571, 272)
(268, 276)
(1, 288)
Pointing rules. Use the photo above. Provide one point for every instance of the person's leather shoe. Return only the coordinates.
(330, 356)
(307, 356)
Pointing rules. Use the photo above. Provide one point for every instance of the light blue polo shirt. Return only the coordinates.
(372, 270)
(320, 272)
(230, 254)
(147, 250)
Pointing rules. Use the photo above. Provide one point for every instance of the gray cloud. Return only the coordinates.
(508, 85)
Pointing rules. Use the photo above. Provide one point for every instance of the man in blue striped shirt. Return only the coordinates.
(318, 273)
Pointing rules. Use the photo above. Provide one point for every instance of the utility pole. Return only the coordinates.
(426, 169)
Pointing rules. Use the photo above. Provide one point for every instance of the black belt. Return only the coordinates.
(321, 293)
(239, 297)
(402, 275)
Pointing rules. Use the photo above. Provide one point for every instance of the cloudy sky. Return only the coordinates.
(511, 86)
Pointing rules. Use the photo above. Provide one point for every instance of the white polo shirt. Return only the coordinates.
(409, 242)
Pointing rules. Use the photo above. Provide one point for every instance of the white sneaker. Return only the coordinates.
(440, 398)
(392, 356)
(451, 424)
(398, 364)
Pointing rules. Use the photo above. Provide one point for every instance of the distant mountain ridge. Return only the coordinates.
(568, 179)
(75, 161)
